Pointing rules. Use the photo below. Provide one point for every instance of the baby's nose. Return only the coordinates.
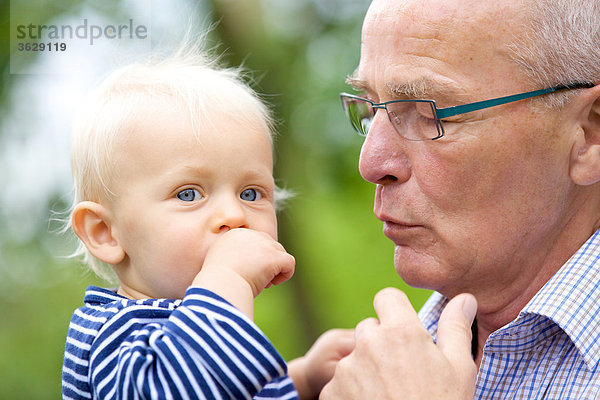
(229, 215)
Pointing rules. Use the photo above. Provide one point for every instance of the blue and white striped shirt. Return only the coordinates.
(552, 349)
(200, 347)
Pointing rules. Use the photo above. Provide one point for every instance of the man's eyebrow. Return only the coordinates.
(426, 88)
(356, 83)
(421, 88)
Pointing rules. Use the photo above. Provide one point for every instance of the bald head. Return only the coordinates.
(552, 41)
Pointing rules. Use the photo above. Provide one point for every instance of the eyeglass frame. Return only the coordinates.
(446, 112)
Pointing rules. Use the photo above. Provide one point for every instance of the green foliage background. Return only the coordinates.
(300, 58)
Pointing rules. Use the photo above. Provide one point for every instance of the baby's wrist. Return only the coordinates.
(230, 286)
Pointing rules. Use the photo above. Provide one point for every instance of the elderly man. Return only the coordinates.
(482, 125)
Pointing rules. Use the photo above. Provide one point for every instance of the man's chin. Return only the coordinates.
(418, 270)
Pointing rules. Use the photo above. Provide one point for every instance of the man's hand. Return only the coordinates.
(395, 357)
(241, 263)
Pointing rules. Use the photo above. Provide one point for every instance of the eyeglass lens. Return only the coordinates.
(414, 120)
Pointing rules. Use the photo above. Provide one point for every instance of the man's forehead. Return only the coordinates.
(430, 16)
(412, 15)
(422, 50)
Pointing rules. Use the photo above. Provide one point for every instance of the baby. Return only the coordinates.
(174, 192)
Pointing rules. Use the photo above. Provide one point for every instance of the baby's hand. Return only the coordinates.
(311, 372)
(241, 263)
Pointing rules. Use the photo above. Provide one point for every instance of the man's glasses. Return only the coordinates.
(421, 119)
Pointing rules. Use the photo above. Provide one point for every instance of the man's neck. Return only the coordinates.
(490, 319)
(498, 308)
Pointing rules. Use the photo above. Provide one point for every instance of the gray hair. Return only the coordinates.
(561, 45)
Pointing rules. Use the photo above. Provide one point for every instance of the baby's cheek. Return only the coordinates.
(191, 253)
(271, 230)
(178, 270)
(268, 223)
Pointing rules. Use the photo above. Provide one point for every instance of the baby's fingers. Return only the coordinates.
(284, 269)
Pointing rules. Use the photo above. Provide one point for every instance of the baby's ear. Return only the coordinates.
(585, 154)
(90, 223)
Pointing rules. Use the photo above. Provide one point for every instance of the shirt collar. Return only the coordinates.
(571, 299)
(97, 296)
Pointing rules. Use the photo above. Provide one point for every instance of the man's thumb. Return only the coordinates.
(454, 330)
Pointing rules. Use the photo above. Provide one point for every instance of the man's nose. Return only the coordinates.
(228, 214)
(383, 157)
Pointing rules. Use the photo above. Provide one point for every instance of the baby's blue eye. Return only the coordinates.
(189, 195)
(250, 195)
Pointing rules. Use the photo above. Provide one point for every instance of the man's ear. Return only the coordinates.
(585, 153)
(91, 224)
